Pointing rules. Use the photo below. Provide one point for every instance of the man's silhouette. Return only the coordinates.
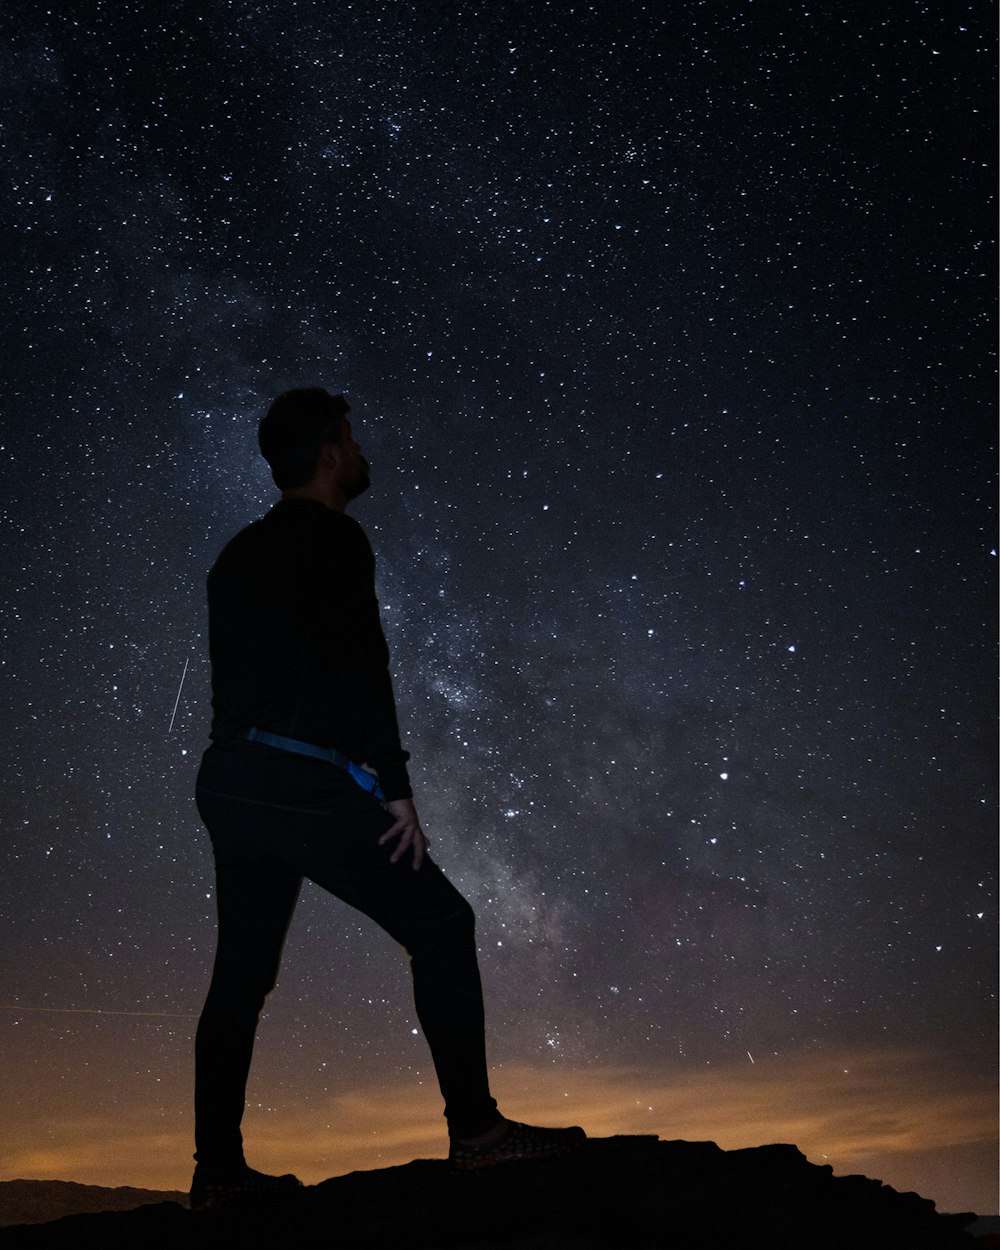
(306, 777)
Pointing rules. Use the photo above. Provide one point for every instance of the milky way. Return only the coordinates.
(668, 331)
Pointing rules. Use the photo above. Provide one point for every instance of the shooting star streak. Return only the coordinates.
(177, 701)
(101, 1011)
(751, 1058)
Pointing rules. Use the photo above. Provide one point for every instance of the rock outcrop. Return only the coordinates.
(629, 1193)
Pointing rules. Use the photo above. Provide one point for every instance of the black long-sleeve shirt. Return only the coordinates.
(296, 642)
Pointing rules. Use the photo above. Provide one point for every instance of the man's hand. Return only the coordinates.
(407, 829)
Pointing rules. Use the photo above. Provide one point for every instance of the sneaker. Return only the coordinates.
(519, 1143)
(212, 1190)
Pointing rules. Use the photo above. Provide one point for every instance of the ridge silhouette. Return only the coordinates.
(631, 1193)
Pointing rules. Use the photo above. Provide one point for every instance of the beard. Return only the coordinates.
(358, 482)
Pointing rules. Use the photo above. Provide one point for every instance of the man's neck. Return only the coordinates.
(328, 494)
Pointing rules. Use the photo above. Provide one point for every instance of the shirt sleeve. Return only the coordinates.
(351, 629)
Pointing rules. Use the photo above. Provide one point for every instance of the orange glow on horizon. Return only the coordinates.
(897, 1116)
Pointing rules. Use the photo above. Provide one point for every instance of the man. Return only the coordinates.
(306, 777)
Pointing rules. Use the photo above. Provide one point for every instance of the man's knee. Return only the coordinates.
(241, 987)
(454, 926)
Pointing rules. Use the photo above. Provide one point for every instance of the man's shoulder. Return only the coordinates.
(294, 531)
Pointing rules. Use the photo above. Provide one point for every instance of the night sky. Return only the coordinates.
(668, 330)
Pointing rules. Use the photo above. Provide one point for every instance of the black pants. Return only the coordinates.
(275, 818)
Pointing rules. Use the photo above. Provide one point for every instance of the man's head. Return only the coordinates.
(306, 431)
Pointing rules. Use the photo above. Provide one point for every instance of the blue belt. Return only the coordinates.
(366, 780)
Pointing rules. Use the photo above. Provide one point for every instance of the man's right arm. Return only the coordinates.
(351, 628)
(407, 829)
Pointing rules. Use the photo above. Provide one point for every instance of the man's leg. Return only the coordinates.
(255, 897)
(425, 913)
(435, 925)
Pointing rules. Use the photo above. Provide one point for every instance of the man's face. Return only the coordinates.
(353, 473)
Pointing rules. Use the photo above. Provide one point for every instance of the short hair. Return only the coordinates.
(294, 429)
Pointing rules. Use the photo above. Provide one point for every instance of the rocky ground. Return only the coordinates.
(629, 1193)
